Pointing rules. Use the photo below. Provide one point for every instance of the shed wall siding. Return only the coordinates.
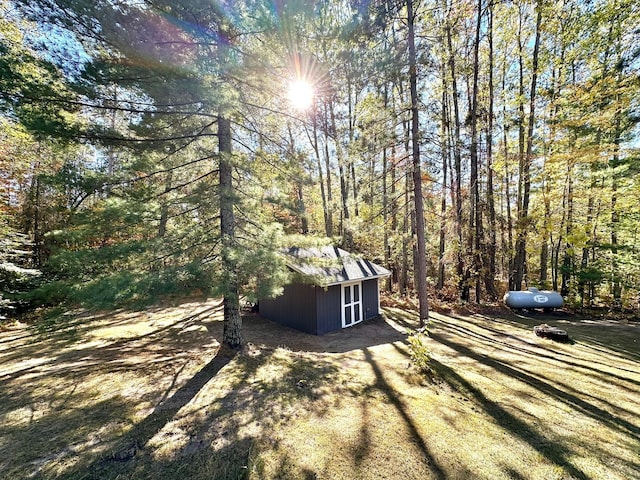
(315, 309)
(370, 299)
(295, 308)
(329, 306)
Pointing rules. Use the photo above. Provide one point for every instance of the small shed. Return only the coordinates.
(333, 289)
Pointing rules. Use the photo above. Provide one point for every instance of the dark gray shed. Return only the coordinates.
(333, 289)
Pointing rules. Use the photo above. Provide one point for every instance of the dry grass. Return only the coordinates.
(148, 395)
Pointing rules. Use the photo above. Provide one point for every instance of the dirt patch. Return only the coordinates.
(377, 331)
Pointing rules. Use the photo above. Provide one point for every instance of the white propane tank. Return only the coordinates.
(533, 298)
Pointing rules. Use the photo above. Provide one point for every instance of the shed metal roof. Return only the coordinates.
(332, 265)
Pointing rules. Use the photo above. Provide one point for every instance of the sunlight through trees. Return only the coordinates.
(469, 147)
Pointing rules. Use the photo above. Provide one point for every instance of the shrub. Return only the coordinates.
(420, 353)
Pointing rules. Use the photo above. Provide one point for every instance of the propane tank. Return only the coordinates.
(533, 298)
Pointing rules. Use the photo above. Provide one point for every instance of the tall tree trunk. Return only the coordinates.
(351, 170)
(475, 214)
(232, 330)
(347, 236)
(300, 207)
(567, 260)
(490, 257)
(316, 150)
(463, 286)
(407, 224)
(508, 246)
(38, 237)
(517, 263)
(395, 95)
(385, 219)
(548, 244)
(164, 209)
(546, 234)
(525, 164)
(420, 260)
(385, 203)
(327, 162)
(444, 146)
(394, 211)
(616, 283)
(584, 262)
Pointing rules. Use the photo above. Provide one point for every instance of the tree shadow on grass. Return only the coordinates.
(538, 351)
(398, 404)
(461, 334)
(555, 453)
(55, 344)
(97, 448)
(133, 443)
(621, 338)
(213, 423)
(573, 401)
(555, 359)
(55, 378)
(39, 442)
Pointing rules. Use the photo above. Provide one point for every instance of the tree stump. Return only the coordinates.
(553, 333)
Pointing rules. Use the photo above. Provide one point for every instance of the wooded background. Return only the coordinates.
(147, 148)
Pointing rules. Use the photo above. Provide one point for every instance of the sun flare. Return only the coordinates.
(300, 94)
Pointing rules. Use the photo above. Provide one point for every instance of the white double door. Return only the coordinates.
(351, 304)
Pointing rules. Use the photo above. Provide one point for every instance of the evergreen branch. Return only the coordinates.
(117, 108)
(81, 199)
(211, 256)
(208, 259)
(146, 140)
(181, 251)
(78, 103)
(183, 212)
(193, 136)
(182, 185)
(247, 218)
(277, 112)
(167, 170)
(279, 143)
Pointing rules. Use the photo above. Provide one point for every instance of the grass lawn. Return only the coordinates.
(148, 395)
